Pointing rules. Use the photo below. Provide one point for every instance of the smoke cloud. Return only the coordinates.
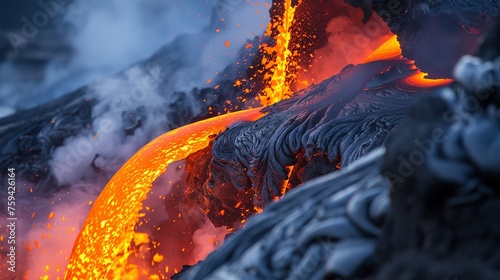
(102, 38)
(130, 99)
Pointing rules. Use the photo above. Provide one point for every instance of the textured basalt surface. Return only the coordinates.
(338, 120)
(422, 207)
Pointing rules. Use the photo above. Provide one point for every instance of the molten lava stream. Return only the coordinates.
(391, 49)
(419, 80)
(103, 247)
(279, 58)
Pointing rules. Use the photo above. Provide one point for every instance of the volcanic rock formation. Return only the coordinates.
(421, 207)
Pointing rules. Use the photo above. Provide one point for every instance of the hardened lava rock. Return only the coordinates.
(425, 206)
(341, 119)
(328, 226)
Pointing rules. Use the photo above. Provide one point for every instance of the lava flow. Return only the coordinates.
(278, 58)
(391, 49)
(103, 245)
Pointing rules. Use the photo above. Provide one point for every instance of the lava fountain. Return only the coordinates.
(278, 59)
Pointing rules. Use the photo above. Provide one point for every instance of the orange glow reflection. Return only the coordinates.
(419, 80)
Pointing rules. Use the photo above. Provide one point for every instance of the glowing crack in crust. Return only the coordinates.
(103, 245)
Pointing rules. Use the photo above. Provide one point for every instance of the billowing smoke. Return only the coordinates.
(129, 113)
(90, 39)
(133, 106)
(81, 41)
(113, 34)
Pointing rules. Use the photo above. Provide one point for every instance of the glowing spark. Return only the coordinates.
(419, 79)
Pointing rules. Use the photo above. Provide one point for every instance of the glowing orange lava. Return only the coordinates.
(103, 246)
(391, 49)
(388, 50)
(278, 59)
(419, 80)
